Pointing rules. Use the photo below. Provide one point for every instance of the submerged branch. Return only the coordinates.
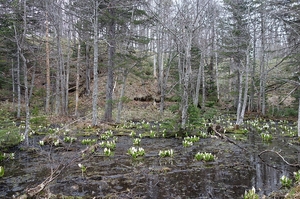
(31, 192)
(226, 138)
(278, 154)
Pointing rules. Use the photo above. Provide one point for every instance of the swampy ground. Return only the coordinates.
(241, 162)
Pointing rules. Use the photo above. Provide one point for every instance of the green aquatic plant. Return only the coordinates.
(83, 168)
(41, 142)
(106, 135)
(128, 125)
(166, 153)
(56, 143)
(285, 181)
(297, 176)
(135, 152)
(250, 194)
(266, 137)
(187, 143)
(202, 134)
(88, 141)
(136, 141)
(192, 138)
(207, 157)
(69, 139)
(144, 125)
(108, 144)
(152, 134)
(132, 134)
(1, 171)
(108, 152)
(7, 156)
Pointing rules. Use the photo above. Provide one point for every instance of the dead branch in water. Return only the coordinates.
(225, 137)
(31, 192)
(278, 154)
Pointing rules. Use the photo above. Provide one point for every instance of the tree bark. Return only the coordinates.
(95, 67)
(299, 118)
(262, 80)
(110, 67)
(120, 104)
(88, 70)
(239, 101)
(20, 46)
(77, 80)
(186, 80)
(18, 82)
(48, 83)
(198, 83)
(246, 89)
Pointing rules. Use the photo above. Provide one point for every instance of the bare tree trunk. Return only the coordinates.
(246, 89)
(13, 81)
(18, 82)
(57, 91)
(159, 61)
(203, 87)
(61, 76)
(239, 101)
(20, 43)
(154, 66)
(110, 68)
(77, 80)
(217, 70)
(242, 104)
(32, 81)
(61, 67)
(252, 89)
(196, 97)
(48, 83)
(262, 64)
(26, 95)
(68, 64)
(120, 104)
(186, 81)
(88, 70)
(95, 86)
(165, 81)
(299, 119)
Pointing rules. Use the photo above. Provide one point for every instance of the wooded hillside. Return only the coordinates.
(91, 58)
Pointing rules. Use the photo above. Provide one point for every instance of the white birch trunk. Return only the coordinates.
(18, 85)
(77, 80)
(203, 88)
(88, 70)
(299, 118)
(245, 100)
(26, 95)
(120, 104)
(239, 102)
(196, 97)
(48, 83)
(217, 77)
(95, 86)
(13, 81)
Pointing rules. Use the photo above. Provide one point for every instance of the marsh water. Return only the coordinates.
(236, 169)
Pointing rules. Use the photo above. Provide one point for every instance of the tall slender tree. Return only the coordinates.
(95, 66)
